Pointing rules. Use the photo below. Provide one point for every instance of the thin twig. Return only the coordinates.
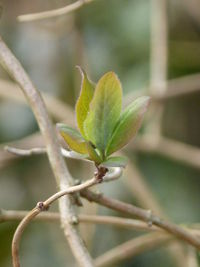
(158, 46)
(43, 206)
(192, 260)
(131, 248)
(181, 86)
(144, 215)
(114, 172)
(175, 150)
(62, 175)
(132, 224)
(10, 91)
(54, 13)
(42, 150)
(13, 215)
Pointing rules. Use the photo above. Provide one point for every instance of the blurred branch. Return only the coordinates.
(13, 215)
(158, 46)
(172, 149)
(177, 87)
(58, 109)
(144, 215)
(136, 184)
(192, 7)
(62, 175)
(54, 13)
(43, 206)
(131, 248)
(127, 223)
(184, 85)
(192, 260)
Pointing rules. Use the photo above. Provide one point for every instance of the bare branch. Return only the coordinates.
(54, 13)
(131, 248)
(13, 215)
(192, 260)
(144, 215)
(11, 91)
(132, 224)
(43, 206)
(62, 175)
(42, 150)
(158, 46)
(177, 87)
(175, 150)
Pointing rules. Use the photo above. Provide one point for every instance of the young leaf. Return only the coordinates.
(115, 162)
(73, 138)
(93, 154)
(83, 102)
(105, 109)
(128, 124)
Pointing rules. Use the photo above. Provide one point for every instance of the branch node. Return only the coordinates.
(100, 173)
(150, 218)
(74, 220)
(41, 206)
(77, 181)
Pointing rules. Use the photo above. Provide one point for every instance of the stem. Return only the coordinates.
(54, 13)
(43, 206)
(144, 215)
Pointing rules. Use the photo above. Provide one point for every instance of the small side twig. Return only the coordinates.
(42, 150)
(54, 13)
(144, 215)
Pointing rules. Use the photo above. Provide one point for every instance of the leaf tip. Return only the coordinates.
(81, 70)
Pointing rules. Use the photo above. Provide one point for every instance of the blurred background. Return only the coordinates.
(154, 47)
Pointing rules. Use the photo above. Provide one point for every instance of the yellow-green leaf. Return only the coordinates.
(93, 153)
(73, 138)
(128, 124)
(105, 109)
(83, 102)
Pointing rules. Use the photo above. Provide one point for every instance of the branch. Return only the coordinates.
(131, 248)
(42, 150)
(62, 175)
(56, 107)
(158, 46)
(54, 13)
(13, 215)
(43, 206)
(132, 224)
(192, 260)
(172, 149)
(182, 86)
(144, 215)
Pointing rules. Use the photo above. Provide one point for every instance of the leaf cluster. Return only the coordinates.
(103, 127)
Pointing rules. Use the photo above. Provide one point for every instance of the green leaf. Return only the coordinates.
(83, 102)
(73, 138)
(105, 109)
(115, 162)
(128, 124)
(93, 154)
